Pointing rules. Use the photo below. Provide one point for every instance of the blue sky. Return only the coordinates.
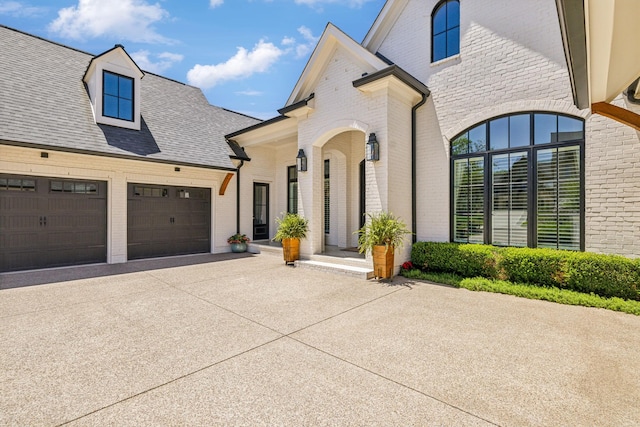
(246, 55)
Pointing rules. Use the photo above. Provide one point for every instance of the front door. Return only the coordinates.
(260, 211)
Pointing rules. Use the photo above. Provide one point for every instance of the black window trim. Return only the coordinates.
(532, 150)
(434, 11)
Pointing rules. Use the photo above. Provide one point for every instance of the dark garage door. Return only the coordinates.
(51, 222)
(165, 220)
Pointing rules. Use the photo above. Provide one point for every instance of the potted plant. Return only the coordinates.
(291, 228)
(238, 242)
(381, 235)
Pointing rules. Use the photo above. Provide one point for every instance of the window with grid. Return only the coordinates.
(518, 180)
(445, 30)
(117, 96)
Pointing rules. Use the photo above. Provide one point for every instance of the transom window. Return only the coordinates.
(117, 96)
(445, 30)
(518, 180)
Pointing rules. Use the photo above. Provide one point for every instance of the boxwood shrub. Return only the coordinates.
(604, 275)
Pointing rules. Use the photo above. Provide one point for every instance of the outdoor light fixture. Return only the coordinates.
(301, 161)
(373, 148)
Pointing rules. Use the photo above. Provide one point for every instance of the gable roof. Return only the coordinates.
(45, 105)
(330, 39)
(383, 24)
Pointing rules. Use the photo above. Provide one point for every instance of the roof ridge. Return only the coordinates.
(45, 40)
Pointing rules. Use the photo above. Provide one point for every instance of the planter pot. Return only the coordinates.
(238, 247)
(382, 262)
(290, 250)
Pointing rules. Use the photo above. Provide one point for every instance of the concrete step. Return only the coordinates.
(363, 271)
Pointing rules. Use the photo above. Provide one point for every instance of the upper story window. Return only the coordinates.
(117, 97)
(445, 30)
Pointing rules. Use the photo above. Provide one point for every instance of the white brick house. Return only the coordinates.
(543, 173)
(471, 102)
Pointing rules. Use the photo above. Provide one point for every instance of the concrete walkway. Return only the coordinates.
(246, 340)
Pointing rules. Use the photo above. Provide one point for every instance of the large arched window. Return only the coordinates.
(518, 180)
(445, 30)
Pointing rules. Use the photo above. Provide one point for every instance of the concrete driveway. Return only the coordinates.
(246, 340)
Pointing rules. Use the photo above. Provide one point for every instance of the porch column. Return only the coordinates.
(310, 197)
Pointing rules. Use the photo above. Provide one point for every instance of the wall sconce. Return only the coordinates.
(372, 149)
(301, 161)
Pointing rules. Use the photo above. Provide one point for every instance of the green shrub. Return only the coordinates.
(604, 275)
(463, 259)
(539, 266)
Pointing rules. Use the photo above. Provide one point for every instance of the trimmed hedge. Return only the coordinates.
(604, 275)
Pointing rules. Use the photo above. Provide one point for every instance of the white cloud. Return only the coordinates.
(17, 9)
(318, 3)
(165, 60)
(215, 3)
(249, 93)
(127, 19)
(243, 64)
(288, 41)
(303, 49)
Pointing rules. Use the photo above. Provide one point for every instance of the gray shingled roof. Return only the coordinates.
(43, 102)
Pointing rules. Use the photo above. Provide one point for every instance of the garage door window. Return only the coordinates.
(74, 187)
(12, 184)
(150, 191)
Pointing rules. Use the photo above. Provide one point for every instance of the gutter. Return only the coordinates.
(238, 197)
(414, 184)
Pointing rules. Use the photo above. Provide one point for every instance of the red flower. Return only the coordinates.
(407, 265)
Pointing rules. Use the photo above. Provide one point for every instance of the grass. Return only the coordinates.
(561, 296)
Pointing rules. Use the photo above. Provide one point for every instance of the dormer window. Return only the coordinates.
(117, 98)
(113, 85)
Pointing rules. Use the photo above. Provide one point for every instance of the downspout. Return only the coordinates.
(238, 197)
(414, 184)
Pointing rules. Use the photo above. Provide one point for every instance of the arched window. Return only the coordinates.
(518, 180)
(445, 30)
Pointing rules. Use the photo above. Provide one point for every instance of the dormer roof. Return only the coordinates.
(116, 55)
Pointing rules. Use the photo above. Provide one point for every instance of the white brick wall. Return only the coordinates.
(511, 59)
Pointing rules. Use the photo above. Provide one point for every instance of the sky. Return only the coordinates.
(245, 55)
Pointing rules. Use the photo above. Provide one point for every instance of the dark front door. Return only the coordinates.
(51, 222)
(165, 220)
(260, 211)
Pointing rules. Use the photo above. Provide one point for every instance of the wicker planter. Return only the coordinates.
(382, 262)
(290, 250)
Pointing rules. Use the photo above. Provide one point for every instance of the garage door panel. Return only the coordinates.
(43, 227)
(167, 220)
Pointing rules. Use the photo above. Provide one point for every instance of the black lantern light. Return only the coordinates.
(373, 148)
(301, 161)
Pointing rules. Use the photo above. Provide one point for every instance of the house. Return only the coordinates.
(102, 162)
(478, 121)
(470, 106)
